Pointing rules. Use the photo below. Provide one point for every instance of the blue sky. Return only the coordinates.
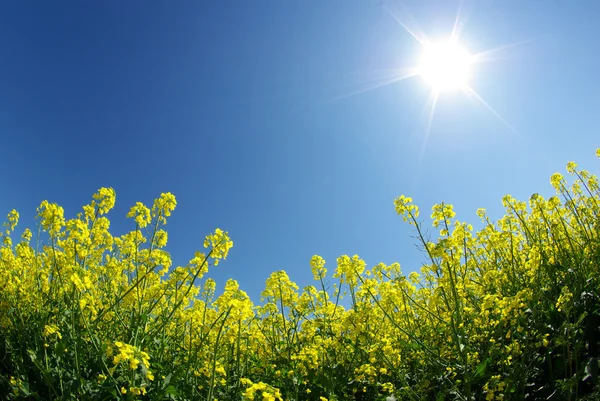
(242, 110)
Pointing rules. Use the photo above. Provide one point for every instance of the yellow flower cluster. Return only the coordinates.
(51, 217)
(317, 265)
(501, 312)
(141, 214)
(220, 243)
(260, 391)
(133, 357)
(51, 329)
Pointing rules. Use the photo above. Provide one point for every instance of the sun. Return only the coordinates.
(444, 65)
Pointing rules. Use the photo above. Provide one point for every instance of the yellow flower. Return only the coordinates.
(388, 387)
(133, 363)
(317, 265)
(50, 329)
(26, 236)
(441, 213)
(161, 238)
(406, 209)
(220, 243)
(106, 198)
(138, 390)
(123, 390)
(557, 180)
(51, 217)
(163, 206)
(132, 355)
(348, 269)
(13, 219)
(564, 299)
(141, 214)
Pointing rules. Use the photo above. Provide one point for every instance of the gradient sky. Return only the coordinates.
(249, 112)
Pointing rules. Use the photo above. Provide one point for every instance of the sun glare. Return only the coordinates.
(445, 65)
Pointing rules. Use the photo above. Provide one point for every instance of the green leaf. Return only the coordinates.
(481, 368)
(167, 380)
(171, 390)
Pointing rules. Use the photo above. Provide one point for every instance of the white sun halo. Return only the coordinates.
(444, 65)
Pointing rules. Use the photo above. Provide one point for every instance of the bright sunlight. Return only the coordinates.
(445, 65)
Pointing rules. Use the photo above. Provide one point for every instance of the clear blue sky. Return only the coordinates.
(239, 108)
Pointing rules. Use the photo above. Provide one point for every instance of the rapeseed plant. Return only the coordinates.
(511, 311)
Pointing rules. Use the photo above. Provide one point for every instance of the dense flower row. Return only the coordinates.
(511, 311)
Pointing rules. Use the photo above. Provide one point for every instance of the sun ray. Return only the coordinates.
(419, 37)
(401, 76)
(471, 92)
(376, 76)
(458, 24)
(433, 99)
(490, 55)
